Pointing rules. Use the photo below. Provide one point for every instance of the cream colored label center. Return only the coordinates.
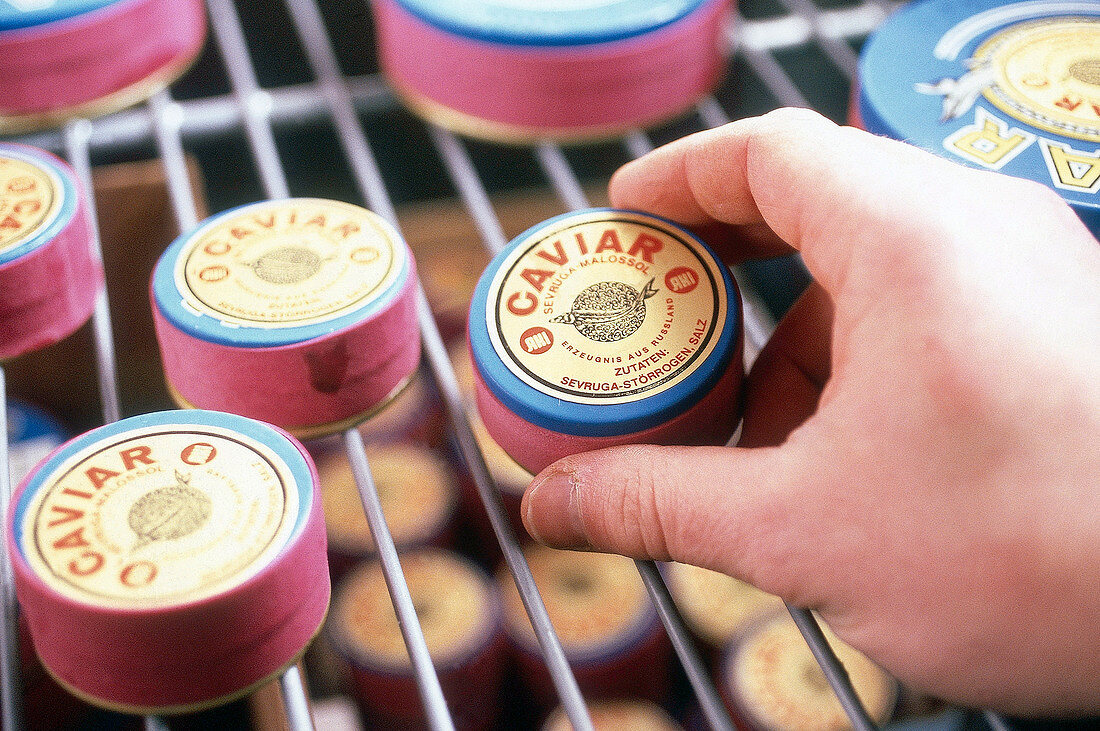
(289, 263)
(606, 308)
(30, 199)
(159, 516)
(1047, 73)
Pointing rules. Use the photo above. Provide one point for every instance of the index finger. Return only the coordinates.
(822, 189)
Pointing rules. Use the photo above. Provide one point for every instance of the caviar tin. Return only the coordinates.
(519, 70)
(70, 58)
(621, 714)
(1012, 87)
(140, 547)
(415, 486)
(48, 278)
(298, 312)
(715, 606)
(772, 682)
(608, 628)
(459, 611)
(605, 327)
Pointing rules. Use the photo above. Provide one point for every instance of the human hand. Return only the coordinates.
(919, 459)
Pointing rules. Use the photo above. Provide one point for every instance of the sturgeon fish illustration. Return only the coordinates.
(608, 311)
(169, 512)
(287, 265)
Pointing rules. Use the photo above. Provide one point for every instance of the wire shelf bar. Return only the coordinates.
(258, 111)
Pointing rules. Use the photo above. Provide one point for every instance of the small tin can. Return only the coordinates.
(141, 548)
(1011, 87)
(517, 70)
(298, 312)
(79, 58)
(609, 631)
(48, 277)
(605, 327)
(617, 715)
(716, 606)
(459, 610)
(418, 494)
(772, 682)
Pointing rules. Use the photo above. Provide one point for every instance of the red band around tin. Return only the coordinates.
(48, 278)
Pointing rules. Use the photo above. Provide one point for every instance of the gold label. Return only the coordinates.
(414, 486)
(606, 308)
(715, 605)
(159, 516)
(592, 598)
(781, 684)
(289, 263)
(451, 600)
(30, 200)
(1047, 73)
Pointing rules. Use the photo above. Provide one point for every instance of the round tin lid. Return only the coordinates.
(596, 602)
(455, 601)
(280, 272)
(415, 487)
(560, 23)
(162, 510)
(28, 13)
(1010, 87)
(603, 322)
(778, 683)
(38, 197)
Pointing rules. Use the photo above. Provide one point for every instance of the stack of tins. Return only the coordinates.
(1011, 87)
(139, 547)
(519, 71)
(416, 487)
(771, 681)
(459, 609)
(48, 276)
(608, 628)
(79, 58)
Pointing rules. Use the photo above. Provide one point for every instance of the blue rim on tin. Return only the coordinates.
(205, 326)
(560, 23)
(65, 186)
(26, 422)
(596, 419)
(15, 14)
(194, 419)
(996, 86)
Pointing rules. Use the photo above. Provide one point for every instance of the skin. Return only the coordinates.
(919, 460)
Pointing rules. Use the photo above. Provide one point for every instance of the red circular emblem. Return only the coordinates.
(536, 340)
(681, 280)
(199, 453)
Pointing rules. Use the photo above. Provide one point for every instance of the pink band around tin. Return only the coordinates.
(213, 650)
(311, 388)
(523, 92)
(49, 292)
(708, 422)
(78, 61)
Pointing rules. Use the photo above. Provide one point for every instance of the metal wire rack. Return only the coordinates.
(825, 32)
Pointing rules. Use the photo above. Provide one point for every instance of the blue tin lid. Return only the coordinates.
(1009, 87)
(32, 435)
(560, 23)
(280, 272)
(603, 322)
(163, 507)
(38, 197)
(16, 14)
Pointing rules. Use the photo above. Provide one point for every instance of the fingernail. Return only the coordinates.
(551, 513)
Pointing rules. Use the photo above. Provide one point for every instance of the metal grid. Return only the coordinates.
(341, 100)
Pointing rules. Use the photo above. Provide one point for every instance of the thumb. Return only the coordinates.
(728, 509)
